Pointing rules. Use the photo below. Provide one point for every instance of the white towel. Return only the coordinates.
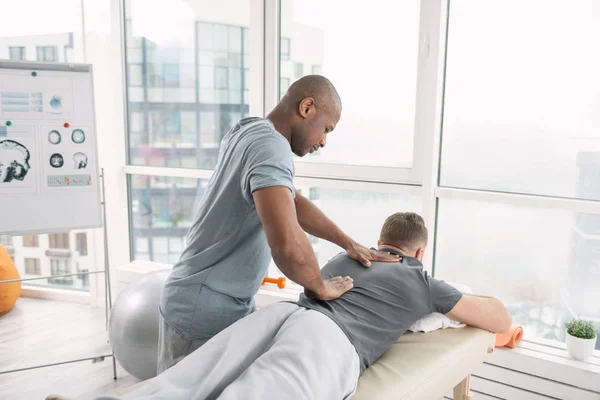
(435, 321)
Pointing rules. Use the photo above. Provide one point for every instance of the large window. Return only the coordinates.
(543, 263)
(520, 158)
(187, 82)
(374, 69)
(522, 114)
(53, 34)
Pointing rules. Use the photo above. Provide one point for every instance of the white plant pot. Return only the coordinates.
(580, 349)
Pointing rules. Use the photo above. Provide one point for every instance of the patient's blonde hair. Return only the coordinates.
(404, 229)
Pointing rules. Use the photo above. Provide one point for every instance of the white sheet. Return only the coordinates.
(283, 351)
(435, 321)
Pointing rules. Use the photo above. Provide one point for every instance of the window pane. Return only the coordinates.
(235, 78)
(284, 84)
(235, 39)
(521, 103)
(298, 70)
(81, 243)
(221, 38)
(193, 64)
(205, 36)
(207, 77)
(221, 80)
(377, 124)
(173, 122)
(53, 254)
(17, 53)
(6, 240)
(135, 76)
(544, 264)
(32, 266)
(46, 331)
(284, 54)
(31, 241)
(47, 53)
(58, 241)
(171, 75)
(136, 122)
(358, 213)
(162, 212)
(24, 38)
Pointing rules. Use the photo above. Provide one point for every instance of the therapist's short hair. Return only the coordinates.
(404, 229)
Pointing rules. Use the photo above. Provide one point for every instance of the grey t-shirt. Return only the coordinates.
(227, 255)
(386, 300)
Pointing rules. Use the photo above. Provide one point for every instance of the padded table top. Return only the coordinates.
(425, 365)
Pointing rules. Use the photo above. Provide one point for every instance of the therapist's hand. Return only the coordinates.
(332, 288)
(365, 255)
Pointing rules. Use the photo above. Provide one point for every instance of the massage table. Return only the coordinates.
(420, 366)
(427, 365)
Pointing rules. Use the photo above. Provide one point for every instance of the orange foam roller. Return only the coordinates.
(512, 338)
(280, 282)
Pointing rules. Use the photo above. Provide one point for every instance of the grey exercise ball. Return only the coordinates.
(133, 328)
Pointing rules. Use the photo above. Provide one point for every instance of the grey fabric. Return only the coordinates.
(282, 351)
(386, 300)
(227, 254)
(172, 346)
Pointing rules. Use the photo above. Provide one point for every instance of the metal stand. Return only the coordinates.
(107, 295)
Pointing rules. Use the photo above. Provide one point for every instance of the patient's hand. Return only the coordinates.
(365, 255)
(334, 288)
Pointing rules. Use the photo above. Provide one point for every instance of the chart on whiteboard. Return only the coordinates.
(48, 144)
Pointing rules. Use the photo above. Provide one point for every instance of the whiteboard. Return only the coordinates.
(49, 174)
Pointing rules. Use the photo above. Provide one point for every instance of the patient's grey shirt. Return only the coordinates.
(386, 300)
(227, 255)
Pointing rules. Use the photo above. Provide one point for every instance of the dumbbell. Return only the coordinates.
(279, 281)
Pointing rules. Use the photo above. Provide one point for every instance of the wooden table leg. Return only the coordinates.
(462, 390)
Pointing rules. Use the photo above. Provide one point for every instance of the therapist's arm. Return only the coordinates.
(290, 248)
(313, 221)
(482, 312)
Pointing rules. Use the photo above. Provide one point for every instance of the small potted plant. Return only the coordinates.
(581, 339)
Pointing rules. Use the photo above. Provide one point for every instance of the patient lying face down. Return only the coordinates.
(315, 349)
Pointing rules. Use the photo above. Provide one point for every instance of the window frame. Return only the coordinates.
(31, 241)
(22, 52)
(59, 241)
(43, 52)
(285, 56)
(430, 22)
(37, 269)
(81, 243)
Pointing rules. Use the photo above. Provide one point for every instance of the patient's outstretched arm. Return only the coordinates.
(482, 312)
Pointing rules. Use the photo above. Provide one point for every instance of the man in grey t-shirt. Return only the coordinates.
(250, 212)
(316, 349)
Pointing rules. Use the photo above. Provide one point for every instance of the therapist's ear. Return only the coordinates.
(378, 243)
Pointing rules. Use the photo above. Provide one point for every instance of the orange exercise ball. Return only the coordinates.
(9, 292)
